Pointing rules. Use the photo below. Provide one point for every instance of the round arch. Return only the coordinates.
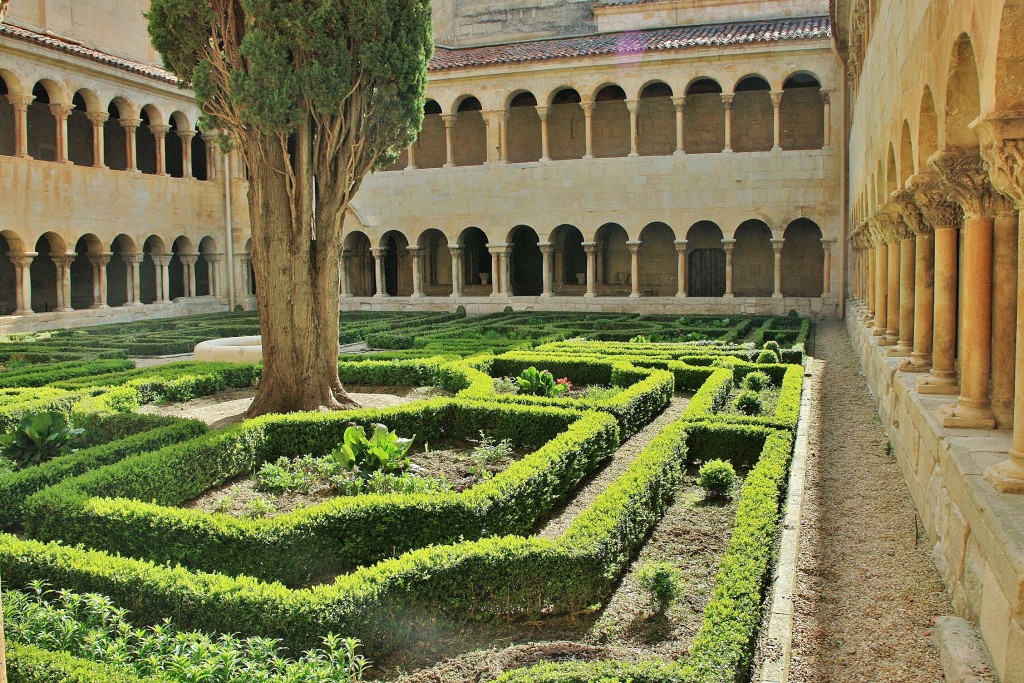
(524, 134)
(802, 112)
(476, 262)
(803, 259)
(613, 260)
(397, 263)
(656, 120)
(753, 260)
(753, 115)
(437, 263)
(705, 260)
(569, 260)
(963, 95)
(566, 125)
(469, 134)
(657, 260)
(704, 114)
(359, 272)
(525, 262)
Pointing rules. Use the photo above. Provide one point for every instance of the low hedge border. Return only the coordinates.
(31, 664)
(48, 373)
(711, 398)
(338, 534)
(174, 381)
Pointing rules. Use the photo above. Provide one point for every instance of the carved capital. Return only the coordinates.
(933, 201)
(61, 111)
(776, 99)
(20, 102)
(679, 102)
(727, 100)
(633, 106)
(965, 177)
(904, 201)
(1005, 162)
(891, 226)
(449, 119)
(542, 112)
(159, 131)
(133, 258)
(98, 118)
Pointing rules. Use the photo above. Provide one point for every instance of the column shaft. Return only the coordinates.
(417, 272)
(634, 133)
(546, 250)
(634, 268)
(881, 288)
(680, 268)
(777, 269)
(924, 301)
(456, 253)
(729, 246)
(942, 378)
(588, 128)
(1004, 317)
(905, 341)
(591, 250)
(545, 154)
(892, 314)
(777, 121)
(680, 107)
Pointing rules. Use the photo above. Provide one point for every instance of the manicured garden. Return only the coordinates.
(554, 470)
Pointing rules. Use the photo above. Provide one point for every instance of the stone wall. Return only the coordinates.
(612, 16)
(458, 23)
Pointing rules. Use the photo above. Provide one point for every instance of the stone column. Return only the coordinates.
(245, 261)
(456, 253)
(634, 268)
(1004, 312)
(188, 263)
(591, 250)
(209, 143)
(503, 120)
(777, 270)
(963, 174)
(130, 126)
(546, 250)
(20, 105)
(63, 262)
(728, 245)
(905, 340)
(99, 277)
(680, 105)
(826, 96)
(345, 288)
(588, 128)
(23, 281)
(213, 270)
(892, 227)
(134, 264)
(411, 166)
(449, 142)
(633, 106)
(881, 308)
(415, 254)
(826, 283)
(497, 268)
(163, 278)
(98, 118)
(506, 270)
(727, 105)
(61, 112)
(160, 136)
(680, 268)
(378, 269)
(924, 274)
(186, 152)
(777, 121)
(545, 154)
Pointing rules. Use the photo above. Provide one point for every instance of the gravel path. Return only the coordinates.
(620, 461)
(867, 591)
(151, 361)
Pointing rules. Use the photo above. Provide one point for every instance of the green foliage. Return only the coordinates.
(663, 581)
(539, 383)
(749, 402)
(767, 356)
(772, 345)
(384, 451)
(756, 381)
(716, 477)
(38, 438)
(640, 339)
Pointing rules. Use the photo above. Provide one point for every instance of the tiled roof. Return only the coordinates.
(72, 48)
(634, 42)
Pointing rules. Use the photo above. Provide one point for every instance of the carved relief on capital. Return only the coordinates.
(932, 198)
(891, 226)
(965, 178)
(911, 214)
(1005, 162)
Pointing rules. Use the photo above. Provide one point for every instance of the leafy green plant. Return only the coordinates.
(767, 356)
(383, 451)
(534, 382)
(258, 508)
(662, 581)
(757, 381)
(749, 402)
(772, 345)
(489, 450)
(39, 437)
(222, 504)
(286, 475)
(505, 385)
(640, 339)
(348, 484)
(716, 477)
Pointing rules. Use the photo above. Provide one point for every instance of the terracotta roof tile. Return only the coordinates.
(634, 42)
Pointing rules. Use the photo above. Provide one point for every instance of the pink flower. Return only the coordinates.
(566, 382)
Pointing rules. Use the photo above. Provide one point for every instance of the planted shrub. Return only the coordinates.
(640, 339)
(757, 381)
(662, 581)
(39, 437)
(534, 382)
(766, 356)
(772, 345)
(716, 477)
(749, 402)
(384, 451)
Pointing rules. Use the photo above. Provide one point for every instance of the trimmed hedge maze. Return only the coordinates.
(387, 568)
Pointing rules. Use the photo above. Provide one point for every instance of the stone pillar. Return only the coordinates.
(680, 105)
(546, 250)
(777, 121)
(411, 166)
(378, 269)
(924, 275)
(415, 254)
(186, 151)
(728, 245)
(213, 271)
(345, 290)
(212, 170)
(908, 257)
(1004, 312)
(826, 96)
(869, 268)
(633, 106)
(634, 268)
(506, 270)
(591, 250)
(20, 105)
(588, 128)
(777, 270)
(63, 262)
(99, 277)
(449, 142)
(826, 283)
(892, 314)
(881, 284)
(23, 281)
(163, 279)
(542, 113)
(727, 105)
(61, 112)
(963, 174)
(456, 253)
(245, 262)
(680, 268)
(130, 126)
(160, 135)
(134, 263)
(188, 262)
(503, 135)
(98, 118)
(496, 268)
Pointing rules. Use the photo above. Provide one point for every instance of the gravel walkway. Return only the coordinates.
(620, 461)
(867, 591)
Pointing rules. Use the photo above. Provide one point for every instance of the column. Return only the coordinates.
(417, 272)
(98, 118)
(411, 149)
(546, 250)
(591, 250)
(680, 268)
(869, 283)
(892, 313)
(506, 270)
(881, 285)
(924, 275)
(213, 272)
(542, 113)
(188, 264)
(634, 268)
(245, 263)
(826, 96)
(963, 174)
(130, 126)
(1004, 311)
(503, 118)
(727, 105)
(588, 128)
(456, 253)
(63, 264)
(209, 143)
(61, 112)
(633, 106)
(908, 257)
(99, 278)
(449, 142)
(134, 263)
(378, 269)
(186, 151)
(160, 134)
(497, 267)
(163, 278)
(826, 283)
(777, 280)
(680, 105)
(777, 118)
(20, 104)
(23, 281)
(728, 245)
(345, 289)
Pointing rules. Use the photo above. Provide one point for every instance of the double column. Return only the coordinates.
(163, 277)
(378, 270)
(23, 281)
(916, 304)
(99, 278)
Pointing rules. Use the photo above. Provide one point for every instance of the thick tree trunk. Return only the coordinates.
(297, 280)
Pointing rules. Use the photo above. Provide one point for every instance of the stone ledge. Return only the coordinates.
(963, 655)
(40, 322)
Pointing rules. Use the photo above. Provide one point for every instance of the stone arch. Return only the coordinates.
(613, 260)
(656, 120)
(469, 134)
(802, 112)
(906, 155)
(430, 145)
(566, 125)
(476, 261)
(753, 260)
(42, 124)
(146, 140)
(178, 282)
(753, 117)
(705, 260)
(525, 261)
(10, 243)
(927, 130)
(115, 150)
(891, 182)
(120, 270)
(704, 116)
(569, 260)
(43, 273)
(80, 142)
(437, 263)
(963, 95)
(251, 274)
(657, 260)
(150, 272)
(610, 122)
(803, 259)
(397, 264)
(85, 272)
(8, 86)
(206, 266)
(524, 136)
(359, 270)
(199, 165)
(174, 156)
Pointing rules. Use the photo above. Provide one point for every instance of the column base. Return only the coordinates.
(776, 148)
(679, 153)
(589, 295)
(777, 296)
(545, 295)
(634, 295)
(1007, 476)
(381, 295)
(914, 364)
(23, 311)
(455, 295)
(728, 295)
(99, 306)
(416, 295)
(899, 351)
(877, 331)
(681, 295)
(65, 309)
(545, 159)
(886, 341)
(495, 295)
(633, 154)
(938, 384)
(960, 416)
(1003, 410)
(131, 304)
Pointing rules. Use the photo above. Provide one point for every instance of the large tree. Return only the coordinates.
(314, 94)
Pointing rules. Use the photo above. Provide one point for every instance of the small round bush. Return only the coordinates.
(772, 345)
(756, 381)
(749, 402)
(767, 356)
(663, 581)
(716, 477)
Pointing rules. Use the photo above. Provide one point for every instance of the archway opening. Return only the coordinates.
(476, 262)
(437, 263)
(430, 145)
(802, 113)
(524, 143)
(397, 264)
(753, 261)
(43, 273)
(469, 134)
(115, 154)
(803, 259)
(656, 121)
(704, 114)
(84, 281)
(753, 117)
(205, 266)
(80, 147)
(199, 169)
(570, 261)
(149, 271)
(705, 271)
(145, 140)
(359, 266)
(6, 121)
(42, 126)
(526, 267)
(657, 261)
(118, 270)
(566, 126)
(8, 275)
(610, 123)
(179, 282)
(174, 156)
(614, 262)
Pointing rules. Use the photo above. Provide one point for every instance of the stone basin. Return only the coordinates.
(231, 350)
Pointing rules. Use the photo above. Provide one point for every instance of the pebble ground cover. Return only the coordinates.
(547, 542)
